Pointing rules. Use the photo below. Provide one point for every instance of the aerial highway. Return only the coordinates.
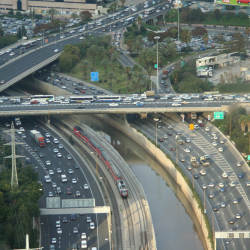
(50, 104)
(27, 62)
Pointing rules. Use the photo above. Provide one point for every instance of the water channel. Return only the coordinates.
(174, 229)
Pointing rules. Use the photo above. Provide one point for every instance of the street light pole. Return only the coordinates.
(156, 121)
(157, 60)
(204, 200)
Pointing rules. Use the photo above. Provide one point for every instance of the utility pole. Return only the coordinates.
(13, 156)
(27, 245)
(156, 122)
(157, 60)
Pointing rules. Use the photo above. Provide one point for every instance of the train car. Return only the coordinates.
(114, 172)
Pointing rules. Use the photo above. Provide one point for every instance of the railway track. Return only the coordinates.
(134, 205)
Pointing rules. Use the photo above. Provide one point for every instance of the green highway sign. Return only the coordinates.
(156, 66)
(218, 115)
(248, 157)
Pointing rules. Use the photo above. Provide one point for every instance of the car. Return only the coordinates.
(222, 204)
(235, 201)
(84, 244)
(215, 209)
(55, 140)
(189, 168)
(78, 194)
(65, 219)
(203, 172)
(86, 186)
(53, 240)
(165, 137)
(204, 186)
(54, 185)
(69, 157)
(73, 217)
(92, 225)
(172, 149)
(237, 216)
(51, 172)
(60, 146)
(211, 185)
(75, 230)
(47, 135)
(76, 167)
(214, 143)
(211, 195)
(182, 160)
(83, 236)
(221, 184)
(2, 81)
(59, 230)
(58, 190)
(207, 129)
(187, 150)
(248, 184)
(47, 140)
(113, 104)
(233, 184)
(70, 171)
(48, 163)
(238, 164)
(222, 141)
(50, 194)
(56, 50)
(241, 175)
(74, 181)
(231, 221)
(59, 170)
(224, 175)
(47, 178)
(161, 139)
(222, 189)
(220, 149)
(88, 219)
(41, 155)
(188, 140)
(68, 191)
(55, 150)
(52, 247)
(196, 176)
(59, 155)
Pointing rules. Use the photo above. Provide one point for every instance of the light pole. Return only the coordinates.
(204, 201)
(156, 122)
(157, 60)
(176, 144)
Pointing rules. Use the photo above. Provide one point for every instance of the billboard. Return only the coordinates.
(234, 2)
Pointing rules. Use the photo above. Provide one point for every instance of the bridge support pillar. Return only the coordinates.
(48, 120)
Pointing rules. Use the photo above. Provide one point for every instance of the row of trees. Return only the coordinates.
(231, 126)
(97, 54)
(188, 15)
(18, 207)
(184, 80)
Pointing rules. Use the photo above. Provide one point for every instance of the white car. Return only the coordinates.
(84, 244)
(187, 150)
(55, 141)
(53, 240)
(113, 104)
(56, 50)
(59, 230)
(86, 186)
(92, 225)
(74, 180)
(220, 149)
(83, 236)
(48, 163)
(224, 175)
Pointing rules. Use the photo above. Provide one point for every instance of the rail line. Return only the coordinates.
(134, 199)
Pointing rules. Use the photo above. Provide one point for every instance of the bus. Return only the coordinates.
(105, 98)
(41, 98)
(149, 11)
(29, 44)
(81, 99)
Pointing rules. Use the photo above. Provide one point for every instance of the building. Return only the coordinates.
(62, 7)
(218, 61)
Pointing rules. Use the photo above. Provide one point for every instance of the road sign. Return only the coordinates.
(218, 115)
(191, 126)
(155, 65)
(94, 76)
(248, 157)
(182, 63)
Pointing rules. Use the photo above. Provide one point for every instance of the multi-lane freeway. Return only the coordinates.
(49, 104)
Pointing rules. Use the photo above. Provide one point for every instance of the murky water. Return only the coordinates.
(173, 226)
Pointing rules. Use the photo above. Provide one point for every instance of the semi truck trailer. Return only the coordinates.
(38, 138)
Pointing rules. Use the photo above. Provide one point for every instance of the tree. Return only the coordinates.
(21, 32)
(217, 14)
(199, 31)
(1, 31)
(185, 36)
(122, 2)
(52, 13)
(85, 16)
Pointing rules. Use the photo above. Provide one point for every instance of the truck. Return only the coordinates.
(38, 138)
(150, 93)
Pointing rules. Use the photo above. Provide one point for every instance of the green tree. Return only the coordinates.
(185, 36)
(52, 13)
(217, 14)
(85, 16)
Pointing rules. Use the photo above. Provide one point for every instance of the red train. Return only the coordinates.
(114, 172)
(244, 1)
